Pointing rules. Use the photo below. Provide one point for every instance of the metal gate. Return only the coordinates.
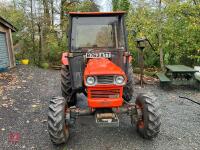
(4, 58)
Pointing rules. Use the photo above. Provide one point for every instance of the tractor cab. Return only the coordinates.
(96, 35)
(97, 31)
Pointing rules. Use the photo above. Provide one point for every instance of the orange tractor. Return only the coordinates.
(98, 65)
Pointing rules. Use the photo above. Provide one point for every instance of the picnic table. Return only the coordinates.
(178, 75)
(180, 69)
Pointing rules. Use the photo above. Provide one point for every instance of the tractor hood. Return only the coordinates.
(102, 66)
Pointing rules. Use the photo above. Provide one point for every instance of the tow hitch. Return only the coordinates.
(107, 119)
(103, 119)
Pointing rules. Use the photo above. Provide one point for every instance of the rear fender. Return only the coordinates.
(64, 59)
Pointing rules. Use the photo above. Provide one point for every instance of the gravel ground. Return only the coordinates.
(23, 111)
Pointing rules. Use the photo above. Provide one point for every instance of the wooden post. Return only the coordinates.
(141, 62)
(12, 49)
(141, 45)
(142, 68)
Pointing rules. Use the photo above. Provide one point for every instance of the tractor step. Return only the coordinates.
(107, 119)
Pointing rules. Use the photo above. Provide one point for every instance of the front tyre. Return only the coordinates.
(128, 89)
(66, 86)
(58, 130)
(148, 123)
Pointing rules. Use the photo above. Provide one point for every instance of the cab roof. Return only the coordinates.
(97, 13)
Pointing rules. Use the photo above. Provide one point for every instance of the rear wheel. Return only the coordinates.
(66, 86)
(148, 114)
(128, 89)
(58, 130)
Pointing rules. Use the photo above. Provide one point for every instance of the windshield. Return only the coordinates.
(96, 32)
(94, 36)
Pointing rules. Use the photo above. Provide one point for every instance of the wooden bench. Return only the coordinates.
(197, 85)
(197, 78)
(162, 77)
(164, 80)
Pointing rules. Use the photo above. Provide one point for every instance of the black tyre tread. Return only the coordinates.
(152, 115)
(66, 86)
(128, 89)
(56, 121)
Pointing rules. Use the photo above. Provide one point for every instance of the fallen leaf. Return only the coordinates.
(34, 106)
(5, 105)
(35, 120)
(30, 77)
(4, 97)
(23, 146)
(44, 120)
(16, 109)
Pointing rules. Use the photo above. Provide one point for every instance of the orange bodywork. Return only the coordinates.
(114, 98)
(102, 66)
(103, 96)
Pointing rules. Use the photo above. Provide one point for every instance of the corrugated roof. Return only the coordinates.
(7, 24)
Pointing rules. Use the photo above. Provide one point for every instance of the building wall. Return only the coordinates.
(8, 33)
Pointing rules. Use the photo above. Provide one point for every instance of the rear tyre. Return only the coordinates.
(128, 89)
(58, 130)
(148, 114)
(66, 86)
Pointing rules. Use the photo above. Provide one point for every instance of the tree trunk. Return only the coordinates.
(46, 28)
(62, 17)
(46, 13)
(14, 4)
(161, 52)
(52, 13)
(160, 36)
(40, 52)
(33, 32)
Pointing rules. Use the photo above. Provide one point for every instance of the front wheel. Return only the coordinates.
(148, 116)
(58, 130)
(128, 89)
(66, 86)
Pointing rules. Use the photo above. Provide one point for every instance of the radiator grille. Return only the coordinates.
(105, 79)
(112, 93)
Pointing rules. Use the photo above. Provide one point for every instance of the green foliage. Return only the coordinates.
(44, 65)
(83, 6)
(115, 4)
(45, 47)
(177, 22)
(87, 6)
(123, 5)
(180, 31)
(14, 16)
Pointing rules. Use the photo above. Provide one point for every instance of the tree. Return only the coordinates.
(123, 5)
(172, 27)
(115, 4)
(160, 48)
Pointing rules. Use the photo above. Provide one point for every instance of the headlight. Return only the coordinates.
(90, 81)
(119, 80)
